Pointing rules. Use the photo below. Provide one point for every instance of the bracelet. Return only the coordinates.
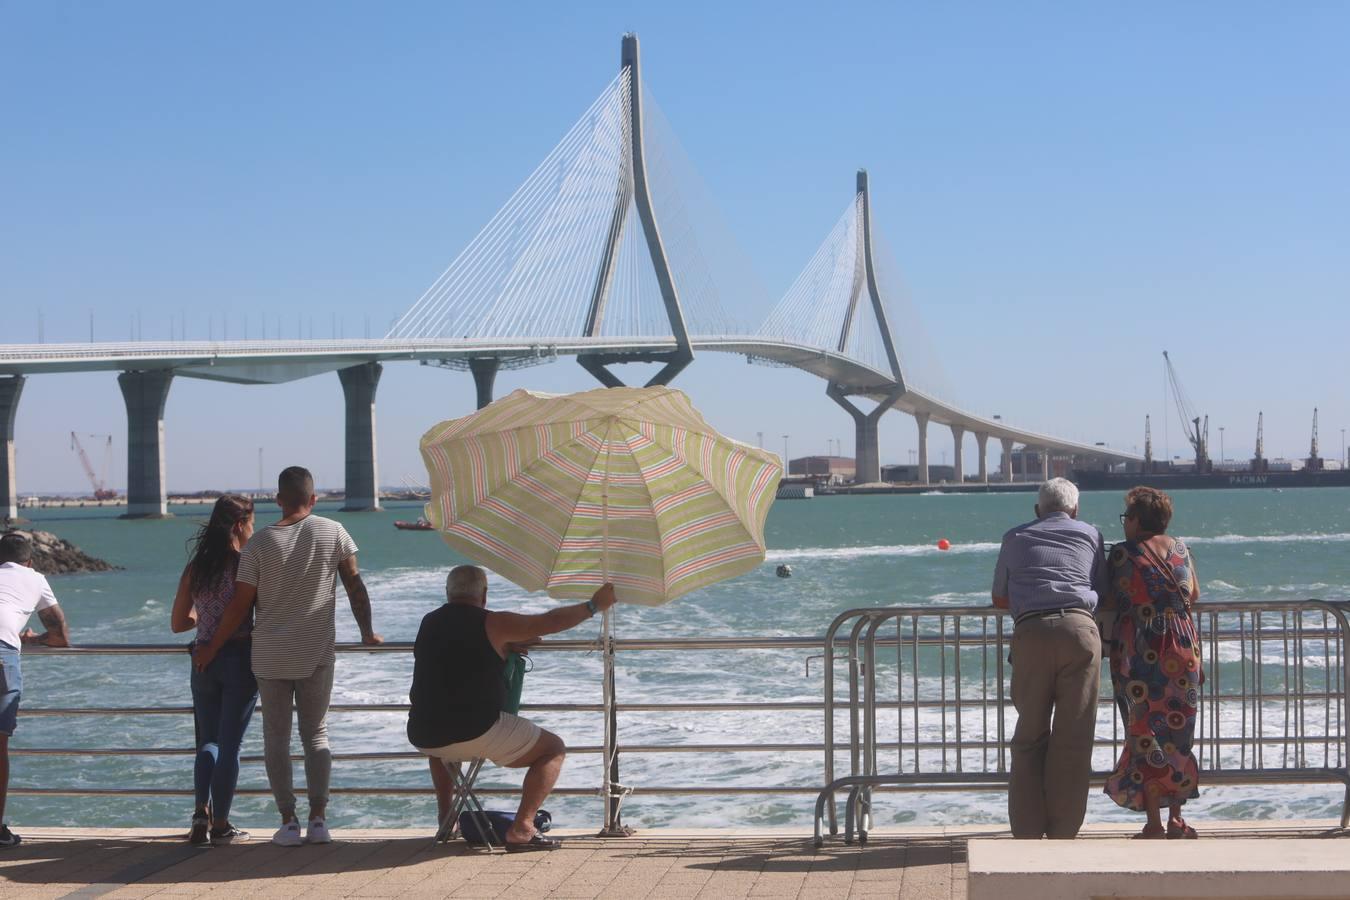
(590, 604)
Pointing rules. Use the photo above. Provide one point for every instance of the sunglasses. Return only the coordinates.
(1124, 516)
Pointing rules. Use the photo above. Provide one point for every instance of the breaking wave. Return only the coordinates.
(1309, 537)
(785, 555)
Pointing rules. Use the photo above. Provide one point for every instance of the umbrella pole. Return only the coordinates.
(613, 826)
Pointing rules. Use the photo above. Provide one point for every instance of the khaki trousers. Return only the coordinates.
(1056, 663)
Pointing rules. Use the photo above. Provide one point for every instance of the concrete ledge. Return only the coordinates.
(1234, 867)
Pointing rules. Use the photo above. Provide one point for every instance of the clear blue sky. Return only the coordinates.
(1068, 190)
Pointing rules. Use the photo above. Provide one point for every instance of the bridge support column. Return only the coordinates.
(982, 442)
(866, 444)
(921, 419)
(358, 389)
(484, 371)
(1045, 464)
(958, 465)
(10, 389)
(145, 394)
(1005, 464)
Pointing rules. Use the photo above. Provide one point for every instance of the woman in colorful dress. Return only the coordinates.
(224, 696)
(1155, 665)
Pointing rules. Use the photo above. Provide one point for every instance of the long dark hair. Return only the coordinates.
(211, 548)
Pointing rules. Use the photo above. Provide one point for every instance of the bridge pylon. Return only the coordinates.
(867, 451)
(11, 386)
(633, 188)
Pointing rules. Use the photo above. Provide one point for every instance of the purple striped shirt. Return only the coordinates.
(1054, 562)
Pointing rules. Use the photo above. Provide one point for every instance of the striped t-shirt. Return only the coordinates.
(294, 567)
(1054, 562)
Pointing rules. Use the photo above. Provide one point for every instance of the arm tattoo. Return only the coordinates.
(359, 599)
(55, 621)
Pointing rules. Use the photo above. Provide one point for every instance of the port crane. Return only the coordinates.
(1259, 461)
(101, 492)
(1196, 428)
(1314, 461)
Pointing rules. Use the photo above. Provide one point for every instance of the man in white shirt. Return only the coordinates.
(22, 591)
(288, 577)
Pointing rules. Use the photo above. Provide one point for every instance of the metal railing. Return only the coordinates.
(1272, 707)
(925, 706)
(613, 798)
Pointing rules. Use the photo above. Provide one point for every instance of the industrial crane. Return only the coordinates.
(100, 491)
(1259, 461)
(1314, 462)
(1197, 430)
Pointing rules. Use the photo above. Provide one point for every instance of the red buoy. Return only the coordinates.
(944, 544)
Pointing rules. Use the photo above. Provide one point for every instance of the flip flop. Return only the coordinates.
(538, 842)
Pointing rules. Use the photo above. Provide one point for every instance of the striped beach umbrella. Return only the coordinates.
(629, 485)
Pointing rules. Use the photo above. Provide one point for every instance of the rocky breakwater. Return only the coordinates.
(56, 556)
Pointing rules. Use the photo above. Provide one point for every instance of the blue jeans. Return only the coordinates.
(11, 687)
(223, 698)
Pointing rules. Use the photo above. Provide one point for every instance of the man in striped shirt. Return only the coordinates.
(288, 577)
(1049, 575)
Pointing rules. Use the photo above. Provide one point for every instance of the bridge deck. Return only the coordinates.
(918, 863)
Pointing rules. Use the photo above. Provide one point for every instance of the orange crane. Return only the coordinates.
(100, 491)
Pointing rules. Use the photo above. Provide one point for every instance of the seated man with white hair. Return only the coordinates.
(1049, 575)
(458, 694)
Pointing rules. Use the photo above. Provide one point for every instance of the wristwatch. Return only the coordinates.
(590, 604)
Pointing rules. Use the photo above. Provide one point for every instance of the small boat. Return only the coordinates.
(420, 525)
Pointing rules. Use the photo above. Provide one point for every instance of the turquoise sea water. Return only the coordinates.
(845, 552)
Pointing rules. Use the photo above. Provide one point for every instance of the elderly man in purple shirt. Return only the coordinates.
(1049, 575)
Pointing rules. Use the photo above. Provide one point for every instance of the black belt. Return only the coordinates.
(1046, 613)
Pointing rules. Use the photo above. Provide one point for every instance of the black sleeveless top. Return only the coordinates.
(457, 690)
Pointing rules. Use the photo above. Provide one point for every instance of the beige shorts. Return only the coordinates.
(504, 743)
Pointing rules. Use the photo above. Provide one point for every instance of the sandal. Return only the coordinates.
(538, 842)
(1148, 835)
(1177, 829)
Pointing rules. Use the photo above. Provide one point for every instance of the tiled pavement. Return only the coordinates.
(922, 864)
(54, 863)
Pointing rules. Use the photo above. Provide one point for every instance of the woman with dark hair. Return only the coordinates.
(1155, 665)
(224, 695)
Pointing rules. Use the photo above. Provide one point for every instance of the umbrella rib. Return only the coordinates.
(689, 461)
(551, 453)
(651, 503)
(557, 551)
(706, 480)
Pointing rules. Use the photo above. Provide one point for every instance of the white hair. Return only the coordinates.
(465, 583)
(1057, 495)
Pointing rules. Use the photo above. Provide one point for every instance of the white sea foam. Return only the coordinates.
(1299, 538)
(958, 596)
(787, 555)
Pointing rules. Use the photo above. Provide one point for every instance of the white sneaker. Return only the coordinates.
(318, 832)
(288, 835)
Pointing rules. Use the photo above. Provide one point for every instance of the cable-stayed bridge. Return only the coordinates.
(601, 255)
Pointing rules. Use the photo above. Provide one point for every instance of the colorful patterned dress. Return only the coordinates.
(1155, 669)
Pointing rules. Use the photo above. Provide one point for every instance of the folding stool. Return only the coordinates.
(463, 798)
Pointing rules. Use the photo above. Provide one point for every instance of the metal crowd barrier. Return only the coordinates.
(927, 702)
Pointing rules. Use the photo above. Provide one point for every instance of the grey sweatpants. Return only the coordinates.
(1056, 663)
(310, 696)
